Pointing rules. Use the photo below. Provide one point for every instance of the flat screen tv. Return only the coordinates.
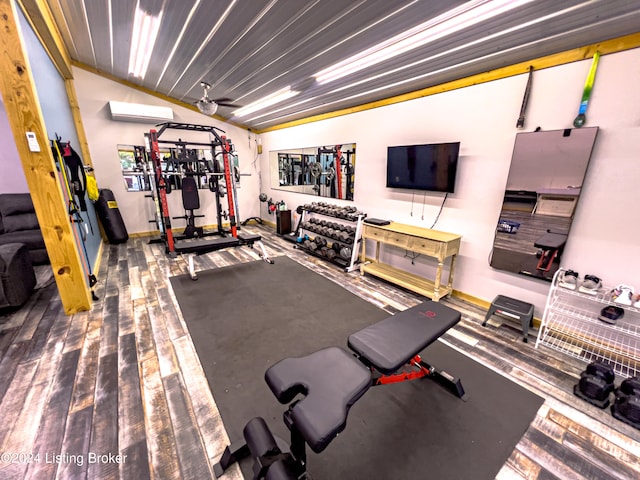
(430, 167)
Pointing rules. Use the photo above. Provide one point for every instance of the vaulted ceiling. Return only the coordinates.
(248, 49)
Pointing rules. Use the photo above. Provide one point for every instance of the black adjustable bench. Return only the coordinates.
(331, 380)
(551, 245)
(204, 245)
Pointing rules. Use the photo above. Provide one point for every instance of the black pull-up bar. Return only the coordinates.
(191, 127)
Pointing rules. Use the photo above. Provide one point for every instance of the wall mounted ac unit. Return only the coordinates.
(136, 112)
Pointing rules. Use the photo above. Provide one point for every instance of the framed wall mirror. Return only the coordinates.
(543, 188)
(176, 163)
(327, 171)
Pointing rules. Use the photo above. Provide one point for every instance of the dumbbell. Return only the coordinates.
(627, 404)
(595, 384)
(345, 252)
(629, 386)
(343, 237)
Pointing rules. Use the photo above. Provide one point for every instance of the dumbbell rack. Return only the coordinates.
(342, 237)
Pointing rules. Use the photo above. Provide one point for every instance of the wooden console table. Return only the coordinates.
(424, 241)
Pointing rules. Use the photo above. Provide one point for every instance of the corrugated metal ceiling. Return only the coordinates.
(247, 49)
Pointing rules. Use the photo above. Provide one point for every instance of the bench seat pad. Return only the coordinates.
(205, 245)
(392, 342)
(551, 241)
(248, 237)
(331, 379)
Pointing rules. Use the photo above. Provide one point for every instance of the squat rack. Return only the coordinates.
(199, 246)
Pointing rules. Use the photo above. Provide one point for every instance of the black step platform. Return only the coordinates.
(512, 308)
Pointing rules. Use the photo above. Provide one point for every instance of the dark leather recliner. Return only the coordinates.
(19, 224)
(17, 278)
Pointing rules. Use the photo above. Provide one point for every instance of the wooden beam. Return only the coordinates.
(23, 111)
(77, 120)
(43, 24)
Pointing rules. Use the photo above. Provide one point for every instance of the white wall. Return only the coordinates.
(104, 134)
(605, 238)
(12, 179)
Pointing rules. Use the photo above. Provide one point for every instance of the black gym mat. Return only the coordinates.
(244, 318)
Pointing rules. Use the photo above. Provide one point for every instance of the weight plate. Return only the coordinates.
(315, 169)
(331, 173)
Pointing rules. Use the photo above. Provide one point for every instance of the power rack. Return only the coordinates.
(221, 146)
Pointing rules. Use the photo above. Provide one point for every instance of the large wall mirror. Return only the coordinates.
(542, 192)
(327, 171)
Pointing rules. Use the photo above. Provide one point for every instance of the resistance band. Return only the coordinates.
(581, 119)
(75, 217)
(525, 100)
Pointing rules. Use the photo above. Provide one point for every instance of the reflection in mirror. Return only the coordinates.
(543, 188)
(133, 161)
(137, 169)
(327, 171)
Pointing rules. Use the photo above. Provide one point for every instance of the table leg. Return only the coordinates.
(363, 253)
(453, 264)
(436, 285)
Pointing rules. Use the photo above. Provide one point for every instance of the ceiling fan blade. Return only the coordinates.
(226, 102)
(230, 105)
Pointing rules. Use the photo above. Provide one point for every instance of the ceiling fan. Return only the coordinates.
(209, 106)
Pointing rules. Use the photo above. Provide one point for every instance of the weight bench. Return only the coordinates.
(205, 245)
(332, 379)
(551, 245)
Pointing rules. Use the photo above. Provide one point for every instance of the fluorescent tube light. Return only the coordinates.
(277, 97)
(145, 31)
(455, 20)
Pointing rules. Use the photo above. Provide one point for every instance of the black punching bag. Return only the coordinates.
(110, 218)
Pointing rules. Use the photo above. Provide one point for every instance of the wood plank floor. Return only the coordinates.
(118, 392)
